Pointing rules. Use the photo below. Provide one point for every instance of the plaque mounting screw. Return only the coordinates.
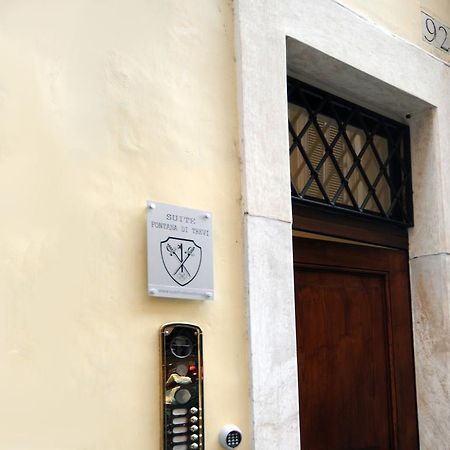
(208, 295)
(153, 291)
(207, 216)
(151, 205)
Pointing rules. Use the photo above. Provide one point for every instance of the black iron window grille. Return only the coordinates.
(346, 157)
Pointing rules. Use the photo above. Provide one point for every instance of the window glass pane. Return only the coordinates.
(345, 156)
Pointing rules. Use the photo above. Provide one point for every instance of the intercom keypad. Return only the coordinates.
(233, 439)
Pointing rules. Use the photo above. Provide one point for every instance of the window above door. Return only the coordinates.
(345, 157)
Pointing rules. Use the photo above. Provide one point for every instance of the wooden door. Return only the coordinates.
(355, 351)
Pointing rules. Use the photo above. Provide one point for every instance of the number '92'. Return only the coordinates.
(436, 33)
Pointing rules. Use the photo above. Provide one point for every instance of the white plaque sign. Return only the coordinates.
(179, 252)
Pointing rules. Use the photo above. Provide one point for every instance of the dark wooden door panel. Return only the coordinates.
(344, 360)
(356, 372)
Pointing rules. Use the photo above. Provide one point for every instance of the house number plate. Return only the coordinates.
(435, 33)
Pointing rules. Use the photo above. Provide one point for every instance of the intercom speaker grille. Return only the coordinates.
(181, 346)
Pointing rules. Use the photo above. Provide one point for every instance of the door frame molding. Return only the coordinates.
(374, 70)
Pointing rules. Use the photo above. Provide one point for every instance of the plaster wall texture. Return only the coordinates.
(104, 105)
(335, 48)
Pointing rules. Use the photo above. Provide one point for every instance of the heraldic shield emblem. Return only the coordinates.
(182, 259)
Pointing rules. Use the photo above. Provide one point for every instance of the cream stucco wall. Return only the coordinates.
(403, 17)
(104, 105)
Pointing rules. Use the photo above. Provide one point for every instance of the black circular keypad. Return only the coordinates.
(233, 439)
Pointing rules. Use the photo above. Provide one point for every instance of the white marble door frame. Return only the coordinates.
(330, 46)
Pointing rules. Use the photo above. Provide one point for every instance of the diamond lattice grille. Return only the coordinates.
(344, 156)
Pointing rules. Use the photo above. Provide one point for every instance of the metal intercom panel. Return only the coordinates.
(182, 384)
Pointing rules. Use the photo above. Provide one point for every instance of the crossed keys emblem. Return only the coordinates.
(181, 258)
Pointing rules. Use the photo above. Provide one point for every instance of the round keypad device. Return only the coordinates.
(233, 439)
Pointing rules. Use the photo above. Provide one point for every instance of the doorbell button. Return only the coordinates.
(193, 410)
(193, 419)
(182, 370)
(182, 396)
(230, 436)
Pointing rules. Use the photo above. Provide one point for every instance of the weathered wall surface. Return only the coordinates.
(104, 105)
